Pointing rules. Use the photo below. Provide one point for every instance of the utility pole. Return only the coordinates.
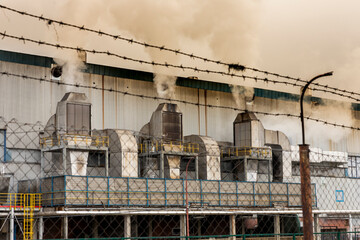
(305, 170)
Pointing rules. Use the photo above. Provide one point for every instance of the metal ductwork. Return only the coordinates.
(73, 114)
(248, 131)
(123, 149)
(71, 125)
(209, 157)
(166, 122)
(165, 133)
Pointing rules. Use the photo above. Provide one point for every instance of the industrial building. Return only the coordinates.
(102, 162)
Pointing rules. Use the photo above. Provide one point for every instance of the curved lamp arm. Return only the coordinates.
(302, 98)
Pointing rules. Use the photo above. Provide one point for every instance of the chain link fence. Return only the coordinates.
(65, 180)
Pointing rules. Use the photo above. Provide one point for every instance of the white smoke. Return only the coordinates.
(317, 134)
(72, 67)
(243, 96)
(165, 85)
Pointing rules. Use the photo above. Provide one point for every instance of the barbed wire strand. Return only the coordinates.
(125, 93)
(167, 65)
(234, 66)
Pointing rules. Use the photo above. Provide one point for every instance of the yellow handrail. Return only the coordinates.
(87, 140)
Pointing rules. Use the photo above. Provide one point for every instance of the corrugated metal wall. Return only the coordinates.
(31, 101)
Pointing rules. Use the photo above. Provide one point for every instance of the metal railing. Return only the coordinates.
(20, 200)
(152, 192)
(246, 152)
(75, 140)
(168, 146)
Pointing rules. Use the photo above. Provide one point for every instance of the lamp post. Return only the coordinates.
(305, 170)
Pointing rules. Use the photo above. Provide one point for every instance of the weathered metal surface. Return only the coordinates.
(306, 192)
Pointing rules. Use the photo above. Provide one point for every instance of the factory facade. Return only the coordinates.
(104, 156)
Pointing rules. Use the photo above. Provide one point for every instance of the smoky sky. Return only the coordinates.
(296, 38)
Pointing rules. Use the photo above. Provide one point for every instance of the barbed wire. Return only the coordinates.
(234, 66)
(125, 93)
(256, 79)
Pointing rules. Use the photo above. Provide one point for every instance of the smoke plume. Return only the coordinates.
(243, 96)
(72, 67)
(317, 134)
(165, 85)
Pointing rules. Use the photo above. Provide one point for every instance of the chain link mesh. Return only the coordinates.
(121, 184)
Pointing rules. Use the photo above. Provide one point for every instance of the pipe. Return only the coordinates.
(5, 145)
(187, 200)
(103, 97)
(199, 109)
(12, 225)
(191, 212)
(206, 127)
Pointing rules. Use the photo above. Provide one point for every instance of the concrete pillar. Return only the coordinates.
(317, 228)
(232, 226)
(182, 225)
(277, 227)
(65, 227)
(127, 226)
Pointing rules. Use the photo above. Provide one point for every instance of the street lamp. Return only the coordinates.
(305, 170)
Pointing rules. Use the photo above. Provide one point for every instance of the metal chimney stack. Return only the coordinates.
(71, 126)
(166, 122)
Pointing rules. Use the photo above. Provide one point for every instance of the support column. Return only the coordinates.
(42, 175)
(306, 192)
(182, 225)
(127, 226)
(196, 167)
(12, 224)
(243, 225)
(106, 163)
(277, 227)
(64, 157)
(150, 226)
(95, 227)
(41, 225)
(199, 227)
(162, 165)
(317, 228)
(232, 226)
(65, 227)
